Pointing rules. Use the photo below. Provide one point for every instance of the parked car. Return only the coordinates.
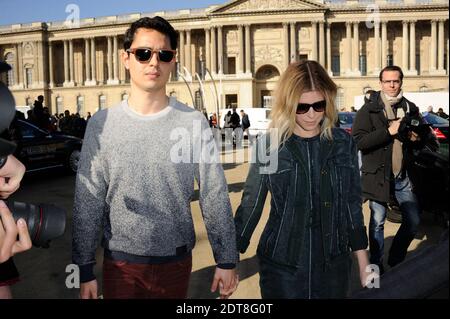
(39, 149)
(440, 127)
(346, 120)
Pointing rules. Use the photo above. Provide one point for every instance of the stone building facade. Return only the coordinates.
(233, 54)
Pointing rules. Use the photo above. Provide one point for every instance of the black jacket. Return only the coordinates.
(370, 130)
(340, 202)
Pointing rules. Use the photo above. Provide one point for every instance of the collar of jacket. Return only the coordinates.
(326, 148)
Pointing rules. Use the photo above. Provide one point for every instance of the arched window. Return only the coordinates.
(9, 58)
(29, 77)
(80, 105)
(102, 102)
(423, 88)
(267, 72)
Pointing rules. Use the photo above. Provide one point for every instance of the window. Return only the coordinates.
(9, 58)
(29, 77)
(28, 101)
(231, 65)
(363, 64)
(390, 60)
(423, 88)
(101, 102)
(59, 105)
(231, 100)
(198, 100)
(336, 65)
(80, 105)
(303, 57)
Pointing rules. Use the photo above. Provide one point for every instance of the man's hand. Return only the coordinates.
(227, 280)
(88, 290)
(393, 127)
(9, 245)
(10, 176)
(413, 136)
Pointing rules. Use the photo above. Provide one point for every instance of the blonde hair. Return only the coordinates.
(301, 77)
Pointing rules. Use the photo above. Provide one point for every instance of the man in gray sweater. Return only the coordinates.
(136, 177)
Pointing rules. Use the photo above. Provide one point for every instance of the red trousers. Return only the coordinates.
(122, 280)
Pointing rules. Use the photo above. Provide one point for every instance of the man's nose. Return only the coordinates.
(154, 58)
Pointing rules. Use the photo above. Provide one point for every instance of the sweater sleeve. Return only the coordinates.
(89, 202)
(214, 201)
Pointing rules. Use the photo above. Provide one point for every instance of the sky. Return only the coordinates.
(27, 11)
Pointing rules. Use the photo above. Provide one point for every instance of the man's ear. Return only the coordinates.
(126, 59)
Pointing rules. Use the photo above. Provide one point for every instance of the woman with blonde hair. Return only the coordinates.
(315, 217)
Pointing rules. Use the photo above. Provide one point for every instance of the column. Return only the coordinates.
(328, 32)
(405, 64)
(213, 51)
(412, 48)
(17, 70)
(314, 40)
(93, 63)
(384, 44)
(286, 44)
(188, 51)
(41, 65)
(20, 70)
(377, 69)
(208, 48)
(433, 46)
(71, 64)
(355, 47)
(321, 43)
(348, 52)
(182, 48)
(293, 43)
(51, 84)
(115, 60)
(241, 48)
(448, 57)
(87, 62)
(220, 48)
(66, 63)
(441, 47)
(109, 60)
(248, 67)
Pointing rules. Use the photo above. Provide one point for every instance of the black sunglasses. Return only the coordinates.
(320, 106)
(145, 54)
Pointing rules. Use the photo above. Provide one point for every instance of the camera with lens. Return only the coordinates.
(45, 222)
(410, 124)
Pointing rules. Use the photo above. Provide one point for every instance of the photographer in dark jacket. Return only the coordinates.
(387, 129)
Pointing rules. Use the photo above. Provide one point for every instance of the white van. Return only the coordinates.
(258, 117)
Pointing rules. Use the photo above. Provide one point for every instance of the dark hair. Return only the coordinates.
(392, 68)
(155, 23)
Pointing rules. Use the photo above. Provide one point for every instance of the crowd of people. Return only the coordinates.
(66, 123)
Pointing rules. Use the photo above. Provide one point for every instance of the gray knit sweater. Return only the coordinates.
(136, 179)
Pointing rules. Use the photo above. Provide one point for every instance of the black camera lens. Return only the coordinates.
(45, 222)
